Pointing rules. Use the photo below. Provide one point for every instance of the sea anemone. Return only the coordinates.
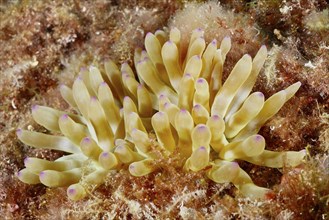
(177, 105)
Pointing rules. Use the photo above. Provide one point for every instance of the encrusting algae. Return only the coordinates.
(176, 104)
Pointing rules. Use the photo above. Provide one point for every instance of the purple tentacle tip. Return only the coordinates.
(35, 107)
(260, 94)
(26, 160)
(105, 154)
(160, 113)
(197, 106)
(200, 80)
(125, 74)
(201, 127)
(103, 84)
(202, 148)
(64, 117)
(42, 174)
(139, 62)
(183, 110)
(235, 165)
(258, 138)
(86, 140)
(79, 78)
(72, 191)
(119, 148)
(216, 117)
(19, 132)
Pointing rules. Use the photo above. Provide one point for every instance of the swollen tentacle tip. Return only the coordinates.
(187, 75)
(76, 192)
(125, 75)
(108, 160)
(126, 98)
(201, 80)
(103, 84)
(79, 78)
(199, 159)
(162, 96)
(42, 175)
(140, 86)
(260, 94)
(64, 117)
(303, 153)
(134, 170)
(134, 131)
(263, 47)
(201, 127)
(166, 105)
(197, 106)
(202, 148)
(19, 132)
(259, 138)
(83, 69)
(183, 110)
(35, 108)
(141, 168)
(19, 174)
(93, 98)
(149, 34)
(86, 140)
(124, 66)
(140, 62)
(26, 160)
(216, 117)
(234, 165)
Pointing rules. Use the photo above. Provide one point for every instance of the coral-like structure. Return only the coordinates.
(176, 107)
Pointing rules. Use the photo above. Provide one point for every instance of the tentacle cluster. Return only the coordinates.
(177, 104)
